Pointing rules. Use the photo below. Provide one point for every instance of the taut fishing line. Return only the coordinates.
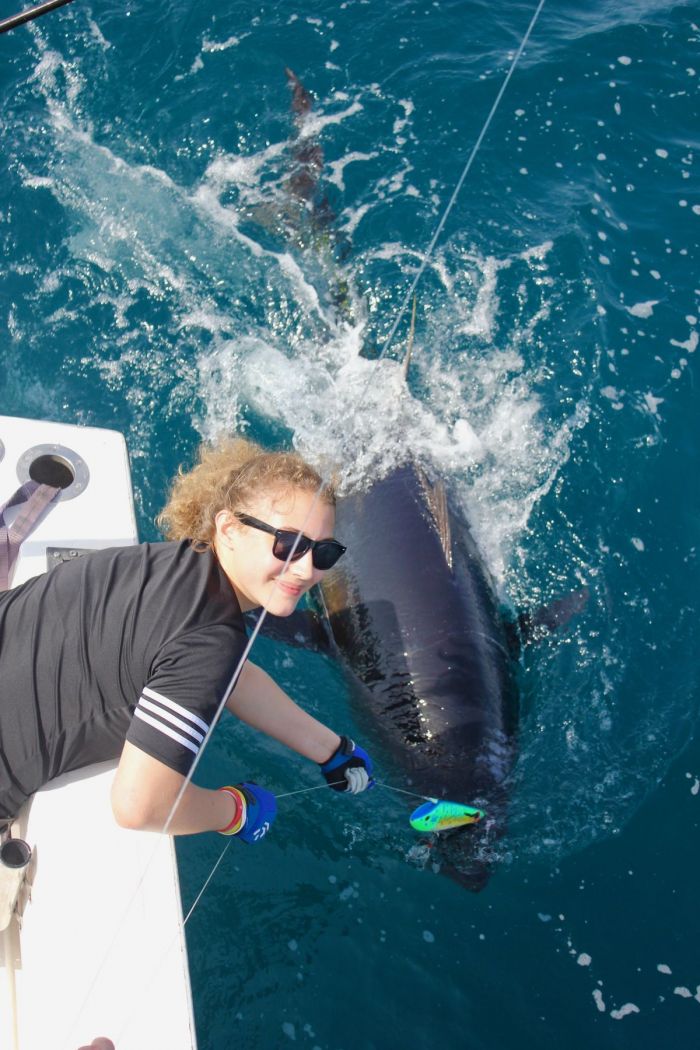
(263, 614)
(406, 300)
(467, 167)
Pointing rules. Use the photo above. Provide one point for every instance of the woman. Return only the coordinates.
(128, 652)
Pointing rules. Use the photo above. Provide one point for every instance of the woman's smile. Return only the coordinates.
(290, 588)
(245, 553)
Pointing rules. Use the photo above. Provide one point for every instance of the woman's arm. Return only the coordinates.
(260, 702)
(144, 790)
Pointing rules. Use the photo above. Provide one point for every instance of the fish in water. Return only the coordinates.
(412, 613)
(308, 161)
(307, 153)
(304, 186)
(302, 214)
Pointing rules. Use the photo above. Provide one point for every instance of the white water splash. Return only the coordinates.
(624, 1011)
(338, 167)
(357, 417)
(644, 309)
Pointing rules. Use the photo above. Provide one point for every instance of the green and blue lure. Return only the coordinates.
(442, 815)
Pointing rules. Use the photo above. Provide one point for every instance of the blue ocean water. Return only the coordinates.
(156, 280)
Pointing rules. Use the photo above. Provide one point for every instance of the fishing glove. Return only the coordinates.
(256, 809)
(349, 768)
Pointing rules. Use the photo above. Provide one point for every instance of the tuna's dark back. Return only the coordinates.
(416, 618)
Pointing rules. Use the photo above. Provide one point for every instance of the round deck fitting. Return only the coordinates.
(55, 465)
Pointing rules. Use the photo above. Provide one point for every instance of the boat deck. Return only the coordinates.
(100, 949)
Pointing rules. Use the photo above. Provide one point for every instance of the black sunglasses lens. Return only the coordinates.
(284, 545)
(326, 554)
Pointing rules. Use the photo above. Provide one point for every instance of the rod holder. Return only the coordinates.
(15, 855)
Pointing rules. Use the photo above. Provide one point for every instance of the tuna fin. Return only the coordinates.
(303, 629)
(302, 100)
(532, 626)
(436, 498)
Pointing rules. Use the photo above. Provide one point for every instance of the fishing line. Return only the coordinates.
(423, 820)
(467, 167)
(403, 791)
(407, 298)
(289, 794)
(303, 791)
(208, 880)
(146, 985)
(379, 783)
(258, 625)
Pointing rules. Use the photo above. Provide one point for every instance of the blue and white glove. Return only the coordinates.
(256, 809)
(349, 768)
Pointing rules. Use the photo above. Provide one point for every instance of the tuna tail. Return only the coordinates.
(303, 187)
(306, 153)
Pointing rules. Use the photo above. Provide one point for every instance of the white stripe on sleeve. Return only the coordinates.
(182, 711)
(166, 730)
(162, 713)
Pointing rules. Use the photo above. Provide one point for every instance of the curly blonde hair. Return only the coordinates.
(226, 477)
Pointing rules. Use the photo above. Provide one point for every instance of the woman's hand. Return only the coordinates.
(349, 768)
(258, 809)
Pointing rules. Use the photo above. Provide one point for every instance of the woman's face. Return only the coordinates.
(245, 553)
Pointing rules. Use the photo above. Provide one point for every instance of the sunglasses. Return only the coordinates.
(324, 553)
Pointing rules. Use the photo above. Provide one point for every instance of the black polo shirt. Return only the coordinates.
(132, 643)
